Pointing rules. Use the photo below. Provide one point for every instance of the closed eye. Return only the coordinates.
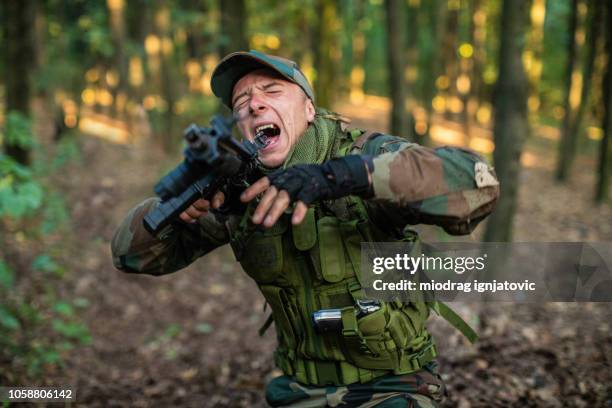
(240, 103)
(272, 88)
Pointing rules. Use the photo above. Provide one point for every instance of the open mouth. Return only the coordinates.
(266, 136)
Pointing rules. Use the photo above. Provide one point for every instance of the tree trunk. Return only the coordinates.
(196, 40)
(18, 44)
(357, 75)
(233, 27)
(40, 31)
(326, 51)
(139, 25)
(412, 43)
(605, 147)
(395, 54)
(449, 52)
(435, 16)
(567, 145)
(478, 34)
(511, 126)
(594, 22)
(534, 44)
(168, 91)
(116, 10)
(305, 27)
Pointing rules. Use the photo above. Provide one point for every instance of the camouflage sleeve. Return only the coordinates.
(135, 250)
(451, 187)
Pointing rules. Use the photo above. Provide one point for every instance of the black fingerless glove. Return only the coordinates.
(333, 179)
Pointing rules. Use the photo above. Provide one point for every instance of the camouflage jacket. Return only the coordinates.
(450, 187)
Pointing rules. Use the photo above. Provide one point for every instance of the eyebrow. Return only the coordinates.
(265, 87)
(270, 85)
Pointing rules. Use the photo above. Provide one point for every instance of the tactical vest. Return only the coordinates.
(316, 265)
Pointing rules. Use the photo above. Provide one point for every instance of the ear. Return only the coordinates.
(310, 110)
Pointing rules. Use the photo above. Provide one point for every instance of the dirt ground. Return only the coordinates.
(190, 338)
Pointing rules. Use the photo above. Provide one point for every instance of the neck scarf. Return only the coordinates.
(318, 142)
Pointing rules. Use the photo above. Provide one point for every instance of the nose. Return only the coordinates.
(257, 105)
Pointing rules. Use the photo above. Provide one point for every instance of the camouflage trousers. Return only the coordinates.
(422, 389)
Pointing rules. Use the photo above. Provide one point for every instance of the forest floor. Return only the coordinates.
(190, 338)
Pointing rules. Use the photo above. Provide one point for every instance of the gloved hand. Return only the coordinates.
(333, 179)
(307, 183)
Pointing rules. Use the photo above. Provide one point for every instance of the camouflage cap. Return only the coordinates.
(236, 65)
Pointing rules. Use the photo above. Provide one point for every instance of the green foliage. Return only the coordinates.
(20, 195)
(171, 331)
(7, 277)
(18, 130)
(77, 37)
(46, 264)
(21, 199)
(25, 327)
(99, 39)
(8, 319)
(55, 213)
(36, 327)
(204, 328)
(72, 330)
(67, 150)
(64, 309)
(40, 356)
(196, 108)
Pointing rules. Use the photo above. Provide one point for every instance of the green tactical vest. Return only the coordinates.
(316, 265)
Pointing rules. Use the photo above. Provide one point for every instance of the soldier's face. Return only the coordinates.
(263, 100)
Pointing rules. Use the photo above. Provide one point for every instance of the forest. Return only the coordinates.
(94, 98)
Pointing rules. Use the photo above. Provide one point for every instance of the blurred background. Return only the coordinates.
(93, 99)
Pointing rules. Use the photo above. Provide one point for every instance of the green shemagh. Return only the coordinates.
(318, 141)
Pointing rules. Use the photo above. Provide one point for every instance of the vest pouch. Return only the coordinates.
(414, 315)
(386, 339)
(373, 323)
(276, 299)
(373, 329)
(331, 249)
(401, 330)
(371, 352)
(262, 257)
(305, 233)
(366, 343)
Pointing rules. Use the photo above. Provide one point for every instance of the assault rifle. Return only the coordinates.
(213, 161)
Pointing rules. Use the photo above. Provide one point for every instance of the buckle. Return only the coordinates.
(423, 357)
(349, 332)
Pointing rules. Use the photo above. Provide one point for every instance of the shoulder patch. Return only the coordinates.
(483, 175)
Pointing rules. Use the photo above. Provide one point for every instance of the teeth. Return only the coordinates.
(262, 127)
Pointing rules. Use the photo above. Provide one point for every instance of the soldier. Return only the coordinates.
(299, 230)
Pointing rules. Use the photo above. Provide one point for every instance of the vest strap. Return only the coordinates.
(321, 373)
(266, 325)
(362, 139)
(416, 362)
(454, 320)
